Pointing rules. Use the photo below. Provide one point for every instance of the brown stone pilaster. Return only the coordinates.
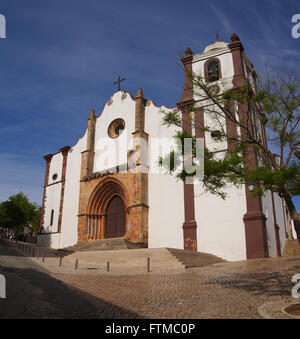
(140, 111)
(48, 161)
(254, 219)
(185, 104)
(139, 210)
(87, 160)
(91, 142)
(237, 49)
(255, 228)
(64, 152)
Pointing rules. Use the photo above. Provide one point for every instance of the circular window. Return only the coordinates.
(116, 128)
(54, 176)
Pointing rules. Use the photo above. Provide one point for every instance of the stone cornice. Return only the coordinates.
(210, 54)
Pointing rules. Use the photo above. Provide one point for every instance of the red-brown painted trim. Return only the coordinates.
(186, 102)
(254, 219)
(255, 228)
(64, 151)
(187, 97)
(48, 158)
(206, 69)
(237, 49)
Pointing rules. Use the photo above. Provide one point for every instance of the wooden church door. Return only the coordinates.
(115, 225)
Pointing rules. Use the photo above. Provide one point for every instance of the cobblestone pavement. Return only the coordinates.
(227, 290)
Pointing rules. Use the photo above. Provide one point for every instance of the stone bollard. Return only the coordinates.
(76, 264)
(108, 266)
(148, 264)
(60, 261)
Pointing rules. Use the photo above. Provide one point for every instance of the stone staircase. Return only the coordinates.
(192, 259)
(105, 245)
(161, 258)
(291, 248)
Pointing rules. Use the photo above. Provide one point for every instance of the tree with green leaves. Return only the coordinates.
(266, 116)
(18, 211)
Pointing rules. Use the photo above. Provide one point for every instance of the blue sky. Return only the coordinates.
(61, 57)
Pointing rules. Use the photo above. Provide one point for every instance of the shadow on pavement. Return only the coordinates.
(263, 283)
(32, 294)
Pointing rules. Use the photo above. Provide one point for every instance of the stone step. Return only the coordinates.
(291, 248)
(160, 258)
(92, 253)
(106, 245)
(195, 259)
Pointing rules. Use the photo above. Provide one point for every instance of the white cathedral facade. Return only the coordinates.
(91, 192)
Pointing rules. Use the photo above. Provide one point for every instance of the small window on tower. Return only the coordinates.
(213, 71)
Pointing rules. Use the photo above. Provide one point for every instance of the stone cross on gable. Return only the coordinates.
(119, 82)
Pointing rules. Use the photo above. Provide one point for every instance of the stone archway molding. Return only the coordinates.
(101, 196)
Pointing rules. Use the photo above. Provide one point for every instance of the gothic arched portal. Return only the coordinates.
(107, 214)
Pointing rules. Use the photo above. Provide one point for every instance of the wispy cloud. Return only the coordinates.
(60, 60)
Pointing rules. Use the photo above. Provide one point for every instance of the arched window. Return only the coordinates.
(51, 218)
(213, 71)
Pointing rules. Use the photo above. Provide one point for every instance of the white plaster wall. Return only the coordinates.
(55, 168)
(49, 240)
(227, 69)
(293, 231)
(212, 144)
(52, 203)
(280, 220)
(225, 82)
(53, 193)
(69, 234)
(268, 211)
(166, 205)
(220, 226)
(166, 212)
(247, 72)
(105, 147)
